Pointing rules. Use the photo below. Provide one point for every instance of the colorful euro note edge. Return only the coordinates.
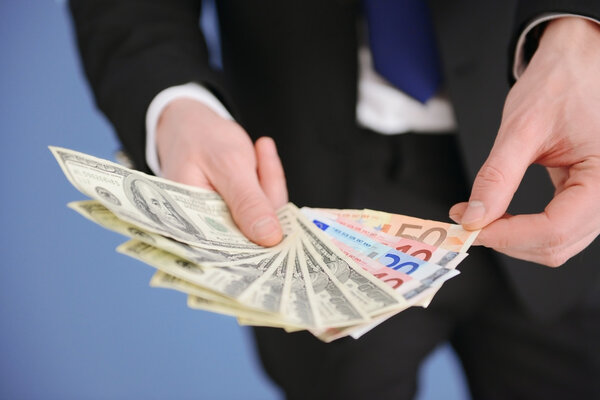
(438, 234)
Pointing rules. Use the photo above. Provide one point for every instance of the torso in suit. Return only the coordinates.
(290, 72)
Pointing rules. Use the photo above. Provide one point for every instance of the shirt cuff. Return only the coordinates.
(520, 62)
(190, 90)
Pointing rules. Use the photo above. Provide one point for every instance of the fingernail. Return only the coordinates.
(474, 212)
(455, 217)
(264, 227)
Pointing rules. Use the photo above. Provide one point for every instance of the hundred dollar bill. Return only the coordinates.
(438, 234)
(163, 280)
(356, 331)
(298, 306)
(334, 307)
(202, 299)
(266, 292)
(185, 213)
(258, 318)
(421, 295)
(252, 321)
(229, 281)
(415, 292)
(201, 303)
(422, 299)
(361, 291)
(96, 212)
(269, 290)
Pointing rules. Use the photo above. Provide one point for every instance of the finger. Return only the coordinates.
(567, 225)
(542, 258)
(270, 172)
(497, 180)
(457, 211)
(250, 208)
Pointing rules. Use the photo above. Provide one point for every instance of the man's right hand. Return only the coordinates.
(198, 147)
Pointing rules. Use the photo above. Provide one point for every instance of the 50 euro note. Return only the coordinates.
(389, 257)
(435, 267)
(415, 248)
(435, 233)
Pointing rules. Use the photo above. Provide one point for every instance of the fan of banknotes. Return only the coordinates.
(336, 272)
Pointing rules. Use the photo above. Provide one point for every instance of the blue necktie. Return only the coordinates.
(403, 45)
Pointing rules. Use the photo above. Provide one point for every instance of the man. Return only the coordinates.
(290, 72)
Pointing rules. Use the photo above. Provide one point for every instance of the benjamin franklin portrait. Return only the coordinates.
(155, 204)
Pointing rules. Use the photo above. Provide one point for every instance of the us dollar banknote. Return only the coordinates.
(334, 277)
(98, 213)
(229, 281)
(188, 214)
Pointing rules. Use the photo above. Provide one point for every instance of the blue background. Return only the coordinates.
(79, 321)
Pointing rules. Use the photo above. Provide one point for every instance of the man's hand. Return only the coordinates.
(551, 117)
(198, 147)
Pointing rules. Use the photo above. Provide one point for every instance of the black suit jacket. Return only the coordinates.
(290, 72)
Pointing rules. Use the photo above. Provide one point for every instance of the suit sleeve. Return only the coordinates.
(133, 49)
(530, 10)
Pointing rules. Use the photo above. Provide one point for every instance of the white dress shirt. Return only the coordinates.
(380, 106)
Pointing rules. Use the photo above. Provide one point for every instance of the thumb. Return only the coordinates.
(270, 172)
(497, 181)
(250, 208)
(253, 213)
